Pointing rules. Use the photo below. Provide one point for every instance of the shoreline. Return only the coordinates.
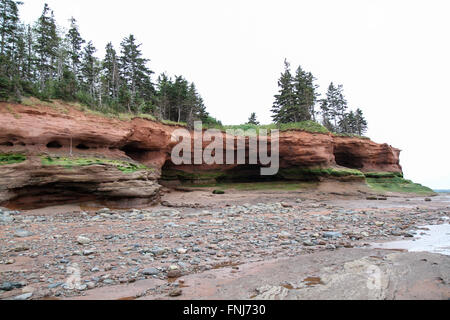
(197, 239)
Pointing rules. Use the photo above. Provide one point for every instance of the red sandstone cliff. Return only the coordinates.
(46, 130)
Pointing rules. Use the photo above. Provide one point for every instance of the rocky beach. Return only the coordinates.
(243, 245)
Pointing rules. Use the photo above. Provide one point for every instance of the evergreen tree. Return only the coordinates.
(111, 76)
(347, 124)
(360, 126)
(285, 100)
(326, 115)
(297, 97)
(30, 58)
(334, 107)
(180, 95)
(9, 31)
(163, 96)
(305, 96)
(75, 45)
(89, 69)
(46, 45)
(310, 95)
(134, 71)
(9, 24)
(253, 120)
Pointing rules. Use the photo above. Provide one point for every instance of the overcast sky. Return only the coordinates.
(393, 58)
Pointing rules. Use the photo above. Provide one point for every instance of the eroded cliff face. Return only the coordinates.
(74, 156)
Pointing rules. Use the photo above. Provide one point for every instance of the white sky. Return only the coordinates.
(393, 58)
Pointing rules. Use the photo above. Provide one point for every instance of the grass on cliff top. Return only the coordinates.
(124, 166)
(397, 184)
(351, 135)
(6, 159)
(309, 126)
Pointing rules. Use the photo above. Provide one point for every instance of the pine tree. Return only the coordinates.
(311, 95)
(253, 120)
(285, 100)
(9, 38)
(9, 24)
(133, 68)
(111, 76)
(326, 115)
(163, 96)
(180, 92)
(75, 45)
(30, 58)
(305, 95)
(334, 107)
(46, 45)
(360, 123)
(89, 69)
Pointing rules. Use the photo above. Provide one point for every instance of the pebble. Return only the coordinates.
(83, 240)
(8, 286)
(174, 274)
(308, 243)
(22, 234)
(150, 272)
(24, 296)
(88, 252)
(332, 235)
(175, 293)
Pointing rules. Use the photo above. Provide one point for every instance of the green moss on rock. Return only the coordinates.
(315, 173)
(383, 175)
(397, 184)
(68, 163)
(172, 174)
(6, 159)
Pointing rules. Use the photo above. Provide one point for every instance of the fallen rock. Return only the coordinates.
(83, 240)
(175, 293)
(150, 272)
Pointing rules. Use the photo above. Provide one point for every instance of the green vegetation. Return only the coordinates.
(174, 123)
(6, 159)
(68, 163)
(190, 176)
(297, 98)
(308, 173)
(397, 184)
(309, 126)
(252, 186)
(253, 120)
(383, 174)
(351, 135)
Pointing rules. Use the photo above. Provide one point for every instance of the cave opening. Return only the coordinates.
(35, 197)
(54, 145)
(134, 152)
(7, 144)
(82, 146)
(246, 174)
(191, 174)
(347, 159)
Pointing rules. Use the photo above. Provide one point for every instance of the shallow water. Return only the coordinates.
(434, 239)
